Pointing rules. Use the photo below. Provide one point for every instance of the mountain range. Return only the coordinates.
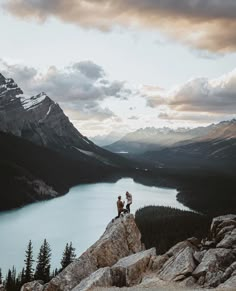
(42, 154)
(215, 149)
(151, 138)
(107, 139)
(213, 146)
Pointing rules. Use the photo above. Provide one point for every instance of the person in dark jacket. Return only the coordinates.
(120, 206)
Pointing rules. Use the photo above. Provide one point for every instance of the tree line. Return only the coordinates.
(42, 271)
(162, 227)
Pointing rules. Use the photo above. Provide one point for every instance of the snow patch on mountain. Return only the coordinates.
(96, 156)
(32, 102)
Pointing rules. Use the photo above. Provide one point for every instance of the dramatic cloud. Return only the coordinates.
(203, 24)
(192, 118)
(79, 88)
(22, 74)
(95, 103)
(203, 95)
(90, 70)
(198, 97)
(93, 113)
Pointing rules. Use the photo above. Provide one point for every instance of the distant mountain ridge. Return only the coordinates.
(213, 146)
(107, 139)
(151, 138)
(216, 149)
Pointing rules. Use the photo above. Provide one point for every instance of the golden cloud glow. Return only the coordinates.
(203, 24)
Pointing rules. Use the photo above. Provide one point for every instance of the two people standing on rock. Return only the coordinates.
(121, 204)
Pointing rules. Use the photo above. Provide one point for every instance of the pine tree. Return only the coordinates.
(8, 281)
(0, 276)
(43, 263)
(18, 283)
(28, 274)
(22, 276)
(68, 256)
(54, 273)
(11, 280)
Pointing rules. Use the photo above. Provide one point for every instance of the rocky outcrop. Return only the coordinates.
(118, 260)
(100, 278)
(129, 270)
(179, 265)
(208, 264)
(121, 238)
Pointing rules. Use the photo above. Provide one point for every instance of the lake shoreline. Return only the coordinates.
(197, 188)
(80, 217)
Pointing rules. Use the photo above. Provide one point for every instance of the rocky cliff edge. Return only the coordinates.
(118, 259)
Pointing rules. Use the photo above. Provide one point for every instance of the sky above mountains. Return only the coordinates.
(124, 64)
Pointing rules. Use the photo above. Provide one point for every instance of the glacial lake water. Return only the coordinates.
(80, 217)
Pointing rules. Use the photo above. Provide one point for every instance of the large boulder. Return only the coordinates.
(179, 265)
(221, 225)
(229, 240)
(212, 267)
(128, 271)
(179, 247)
(100, 278)
(121, 238)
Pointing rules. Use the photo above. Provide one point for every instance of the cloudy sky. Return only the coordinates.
(118, 65)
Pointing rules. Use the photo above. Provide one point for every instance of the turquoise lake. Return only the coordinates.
(79, 217)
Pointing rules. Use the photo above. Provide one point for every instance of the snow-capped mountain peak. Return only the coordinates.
(37, 118)
(8, 88)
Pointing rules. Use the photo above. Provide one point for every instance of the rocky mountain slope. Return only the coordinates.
(118, 259)
(40, 120)
(29, 172)
(41, 153)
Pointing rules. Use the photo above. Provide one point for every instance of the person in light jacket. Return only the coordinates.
(129, 201)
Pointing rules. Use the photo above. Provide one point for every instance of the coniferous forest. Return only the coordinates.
(38, 268)
(162, 227)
